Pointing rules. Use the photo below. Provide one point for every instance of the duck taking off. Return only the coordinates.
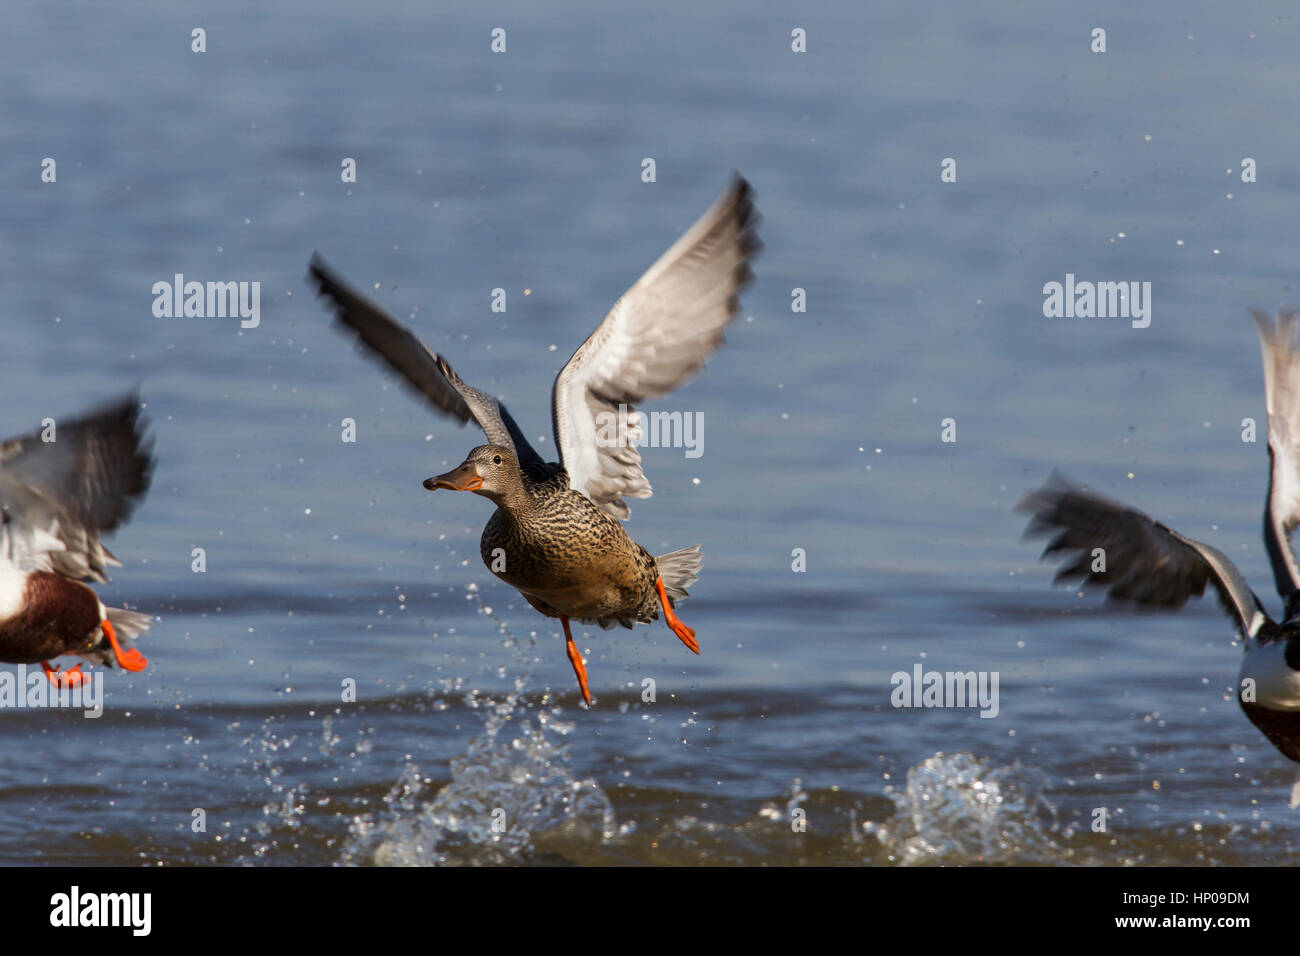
(60, 488)
(556, 534)
(1151, 564)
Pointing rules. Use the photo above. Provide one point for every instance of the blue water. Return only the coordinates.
(326, 561)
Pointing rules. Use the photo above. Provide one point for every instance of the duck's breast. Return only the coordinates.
(13, 590)
(55, 616)
(583, 566)
(1274, 683)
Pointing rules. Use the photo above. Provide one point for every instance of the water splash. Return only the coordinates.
(508, 790)
(960, 808)
(511, 788)
(794, 798)
(284, 770)
(283, 811)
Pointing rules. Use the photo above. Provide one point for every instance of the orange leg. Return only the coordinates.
(686, 634)
(131, 660)
(576, 660)
(68, 678)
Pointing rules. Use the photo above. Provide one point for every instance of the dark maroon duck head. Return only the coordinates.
(59, 490)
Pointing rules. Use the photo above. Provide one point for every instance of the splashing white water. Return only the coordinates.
(507, 790)
(960, 809)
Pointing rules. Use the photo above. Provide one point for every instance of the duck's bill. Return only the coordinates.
(461, 479)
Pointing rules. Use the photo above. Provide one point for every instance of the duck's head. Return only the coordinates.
(489, 470)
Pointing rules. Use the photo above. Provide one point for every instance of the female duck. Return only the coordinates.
(556, 534)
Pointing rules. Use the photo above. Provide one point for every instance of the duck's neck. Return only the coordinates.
(516, 500)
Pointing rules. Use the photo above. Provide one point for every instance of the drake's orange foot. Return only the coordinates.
(576, 660)
(131, 660)
(69, 678)
(685, 634)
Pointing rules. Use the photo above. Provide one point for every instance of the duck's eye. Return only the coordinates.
(496, 459)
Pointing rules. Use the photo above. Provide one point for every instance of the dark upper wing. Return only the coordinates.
(1281, 354)
(657, 335)
(422, 368)
(56, 497)
(1144, 560)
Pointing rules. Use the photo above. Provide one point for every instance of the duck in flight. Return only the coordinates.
(56, 498)
(1151, 564)
(556, 535)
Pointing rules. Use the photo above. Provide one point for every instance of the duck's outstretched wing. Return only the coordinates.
(1141, 559)
(57, 496)
(423, 369)
(1281, 353)
(657, 335)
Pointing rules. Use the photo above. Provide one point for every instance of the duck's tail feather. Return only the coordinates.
(680, 569)
(128, 624)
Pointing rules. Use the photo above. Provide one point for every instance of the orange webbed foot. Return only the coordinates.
(73, 677)
(575, 659)
(128, 660)
(685, 634)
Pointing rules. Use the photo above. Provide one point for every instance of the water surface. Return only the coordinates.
(327, 562)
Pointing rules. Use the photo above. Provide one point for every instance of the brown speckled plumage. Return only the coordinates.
(556, 535)
(568, 557)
